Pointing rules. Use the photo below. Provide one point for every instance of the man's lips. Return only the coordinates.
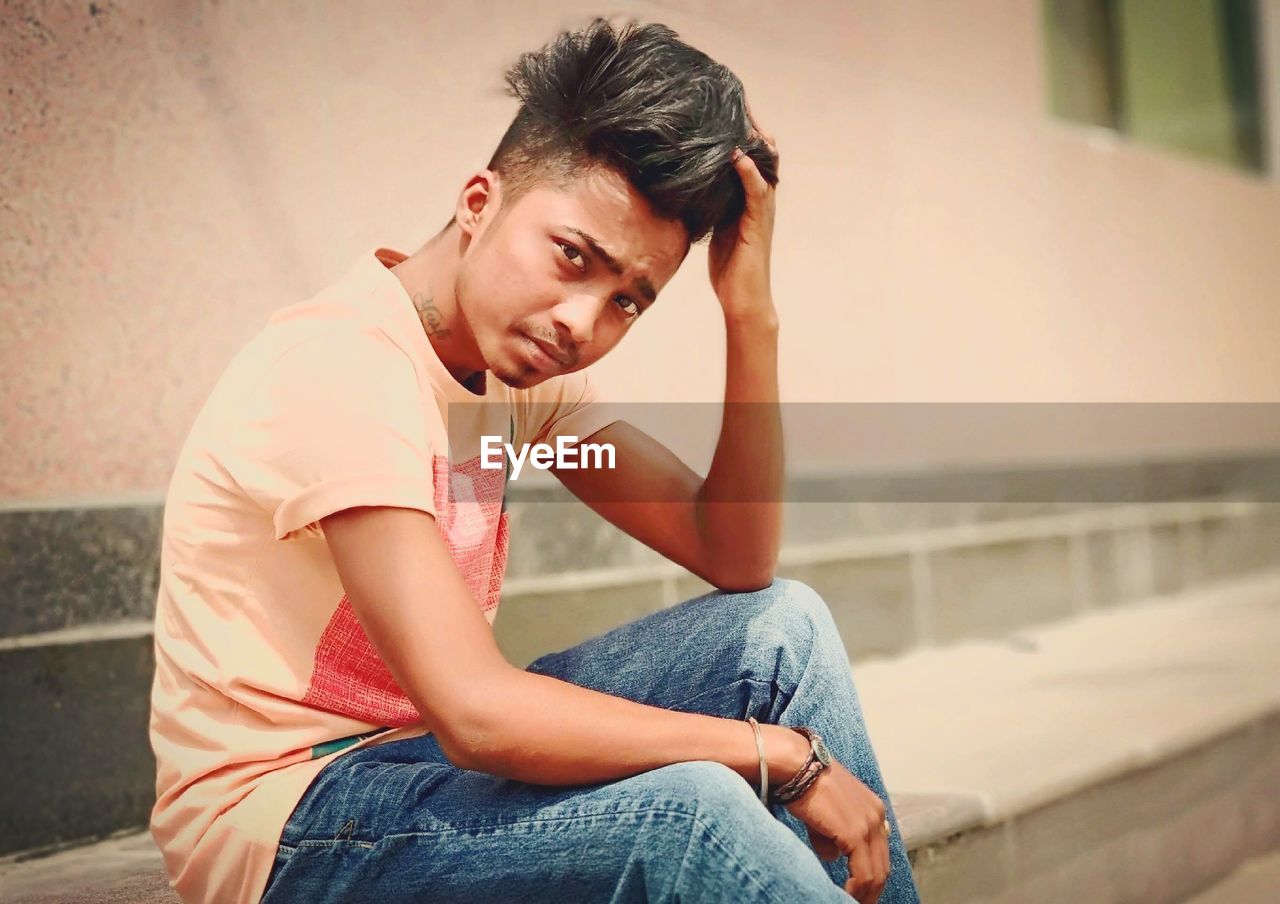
(552, 351)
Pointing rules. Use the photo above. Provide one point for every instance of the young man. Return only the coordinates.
(332, 718)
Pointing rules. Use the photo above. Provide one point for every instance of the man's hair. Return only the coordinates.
(638, 100)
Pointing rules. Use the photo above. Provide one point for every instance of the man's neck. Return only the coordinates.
(428, 277)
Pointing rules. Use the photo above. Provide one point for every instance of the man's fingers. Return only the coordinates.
(881, 839)
(878, 855)
(860, 874)
(826, 849)
(752, 182)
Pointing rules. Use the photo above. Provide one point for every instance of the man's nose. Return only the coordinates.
(577, 314)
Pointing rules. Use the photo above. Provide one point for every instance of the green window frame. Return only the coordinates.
(1182, 74)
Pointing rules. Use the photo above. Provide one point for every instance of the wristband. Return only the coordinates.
(818, 760)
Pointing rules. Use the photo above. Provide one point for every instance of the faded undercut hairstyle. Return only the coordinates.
(636, 99)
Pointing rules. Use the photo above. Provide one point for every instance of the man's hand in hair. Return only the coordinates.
(738, 259)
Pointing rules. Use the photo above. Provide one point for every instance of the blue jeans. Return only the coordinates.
(398, 822)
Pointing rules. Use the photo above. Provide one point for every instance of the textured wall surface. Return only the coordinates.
(172, 172)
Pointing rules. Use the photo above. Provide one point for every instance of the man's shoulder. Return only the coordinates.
(294, 354)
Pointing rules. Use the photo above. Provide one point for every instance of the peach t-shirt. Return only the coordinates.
(263, 674)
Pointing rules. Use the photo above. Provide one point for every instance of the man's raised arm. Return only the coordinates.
(741, 526)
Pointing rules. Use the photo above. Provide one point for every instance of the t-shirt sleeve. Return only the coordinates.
(338, 421)
(571, 405)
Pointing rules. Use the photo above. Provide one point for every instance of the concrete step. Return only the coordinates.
(122, 870)
(1256, 881)
(930, 582)
(1125, 756)
(74, 563)
(74, 705)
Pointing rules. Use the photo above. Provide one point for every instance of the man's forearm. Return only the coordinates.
(550, 732)
(739, 508)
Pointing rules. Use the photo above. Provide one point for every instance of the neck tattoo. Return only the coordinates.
(429, 314)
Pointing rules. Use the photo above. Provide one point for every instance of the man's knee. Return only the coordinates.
(799, 612)
(704, 824)
(704, 799)
(708, 790)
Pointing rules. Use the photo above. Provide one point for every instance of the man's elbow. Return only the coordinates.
(489, 745)
(462, 748)
(471, 734)
(743, 577)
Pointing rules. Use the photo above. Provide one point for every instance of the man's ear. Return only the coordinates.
(479, 202)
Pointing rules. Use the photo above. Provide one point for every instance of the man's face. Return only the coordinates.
(552, 281)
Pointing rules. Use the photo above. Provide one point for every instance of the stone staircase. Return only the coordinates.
(1127, 755)
(1070, 699)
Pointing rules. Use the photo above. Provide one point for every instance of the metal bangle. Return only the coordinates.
(764, 766)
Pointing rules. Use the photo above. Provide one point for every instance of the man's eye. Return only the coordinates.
(573, 255)
(629, 307)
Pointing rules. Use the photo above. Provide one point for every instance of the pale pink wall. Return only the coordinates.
(171, 177)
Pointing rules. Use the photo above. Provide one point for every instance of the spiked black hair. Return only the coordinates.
(639, 100)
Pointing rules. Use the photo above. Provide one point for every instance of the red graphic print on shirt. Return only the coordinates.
(349, 677)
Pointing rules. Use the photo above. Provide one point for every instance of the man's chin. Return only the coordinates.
(518, 378)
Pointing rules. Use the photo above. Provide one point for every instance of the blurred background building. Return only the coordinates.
(1028, 268)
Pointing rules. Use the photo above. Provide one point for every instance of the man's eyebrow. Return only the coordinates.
(642, 284)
